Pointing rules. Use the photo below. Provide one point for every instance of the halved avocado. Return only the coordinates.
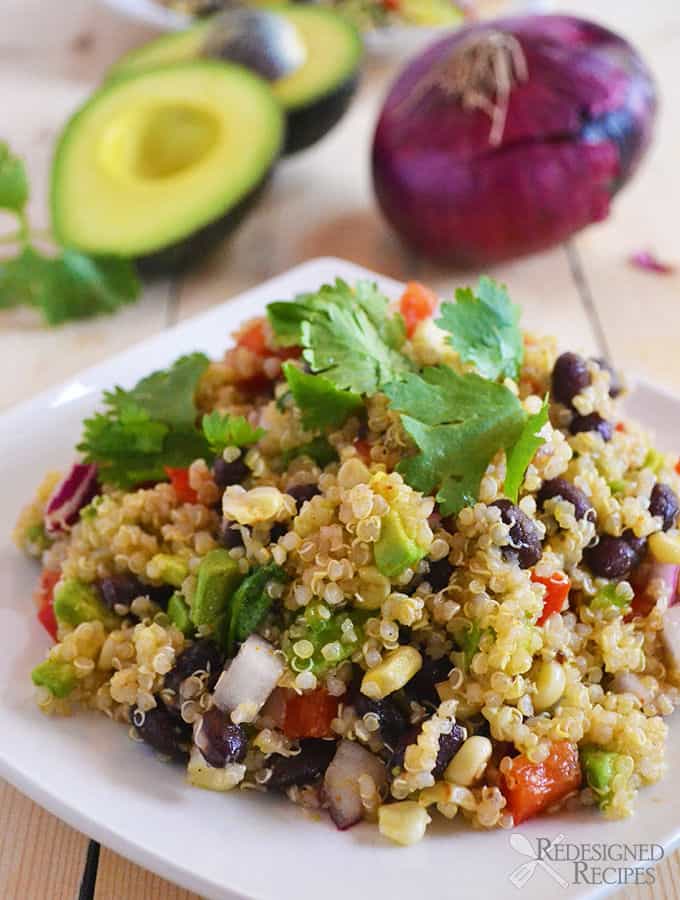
(160, 165)
(314, 97)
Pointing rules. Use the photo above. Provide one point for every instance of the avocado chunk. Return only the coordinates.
(172, 569)
(179, 614)
(599, 767)
(57, 677)
(218, 578)
(76, 602)
(252, 602)
(315, 96)
(160, 165)
(394, 549)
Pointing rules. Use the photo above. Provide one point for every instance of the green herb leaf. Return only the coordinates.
(320, 402)
(318, 450)
(251, 603)
(484, 329)
(67, 287)
(222, 430)
(149, 427)
(523, 452)
(458, 422)
(13, 181)
(348, 335)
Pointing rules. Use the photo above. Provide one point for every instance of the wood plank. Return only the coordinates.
(119, 879)
(40, 857)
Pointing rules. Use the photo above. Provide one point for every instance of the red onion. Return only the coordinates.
(648, 262)
(341, 782)
(509, 136)
(69, 497)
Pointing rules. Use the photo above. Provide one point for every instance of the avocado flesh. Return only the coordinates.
(394, 550)
(76, 602)
(159, 165)
(315, 97)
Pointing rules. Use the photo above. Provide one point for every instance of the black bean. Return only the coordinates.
(449, 744)
(664, 503)
(220, 741)
(307, 767)
(592, 422)
(525, 544)
(203, 655)
(421, 687)
(615, 383)
(123, 589)
(390, 717)
(439, 575)
(560, 487)
(303, 492)
(277, 531)
(163, 731)
(226, 473)
(570, 376)
(612, 557)
(229, 535)
(637, 545)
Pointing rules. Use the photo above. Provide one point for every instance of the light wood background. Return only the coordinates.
(52, 55)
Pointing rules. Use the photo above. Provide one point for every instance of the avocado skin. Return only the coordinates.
(178, 257)
(308, 124)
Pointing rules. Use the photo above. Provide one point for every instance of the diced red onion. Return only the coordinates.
(69, 497)
(647, 261)
(630, 683)
(251, 677)
(465, 185)
(671, 635)
(341, 782)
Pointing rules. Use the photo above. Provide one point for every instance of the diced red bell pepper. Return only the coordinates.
(556, 591)
(254, 337)
(620, 426)
(677, 467)
(310, 715)
(45, 599)
(417, 303)
(179, 479)
(530, 788)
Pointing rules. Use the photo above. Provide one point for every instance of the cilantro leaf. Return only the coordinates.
(13, 181)
(149, 427)
(458, 422)
(222, 430)
(484, 329)
(320, 402)
(348, 335)
(523, 451)
(67, 287)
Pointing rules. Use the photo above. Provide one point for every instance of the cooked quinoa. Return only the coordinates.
(386, 563)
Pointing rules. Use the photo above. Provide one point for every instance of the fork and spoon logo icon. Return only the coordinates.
(520, 843)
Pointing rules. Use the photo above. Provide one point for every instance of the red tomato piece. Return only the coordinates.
(179, 479)
(310, 715)
(45, 598)
(253, 337)
(556, 591)
(677, 467)
(620, 426)
(530, 788)
(417, 303)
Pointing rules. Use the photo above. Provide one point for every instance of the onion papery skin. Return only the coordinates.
(575, 132)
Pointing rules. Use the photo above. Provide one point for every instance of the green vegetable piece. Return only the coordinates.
(172, 570)
(321, 404)
(522, 453)
(600, 767)
(618, 486)
(58, 677)
(484, 329)
(251, 603)
(608, 596)
(13, 181)
(179, 614)
(325, 631)
(468, 640)
(395, 550)
(458, 422)
(218, 578)
(222, 430)
(654, 460)
(76, 602)
(318, 450)
(38, 537)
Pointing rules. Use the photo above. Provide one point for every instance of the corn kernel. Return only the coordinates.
(468, 765)
(441, 792)
(665, 547)
(404, 823)
(396, 669)
(248, 507)
(550, 684)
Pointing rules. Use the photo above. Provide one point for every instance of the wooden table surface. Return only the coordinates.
(52, 55)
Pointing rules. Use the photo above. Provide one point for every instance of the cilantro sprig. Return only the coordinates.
(519, 457)
(222, 430)
(321, 404)
(484, 329)
(348, 335)
(62, 287)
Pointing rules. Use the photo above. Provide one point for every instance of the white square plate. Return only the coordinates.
(86, 770)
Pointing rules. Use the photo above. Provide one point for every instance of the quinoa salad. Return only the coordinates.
(389, 558)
